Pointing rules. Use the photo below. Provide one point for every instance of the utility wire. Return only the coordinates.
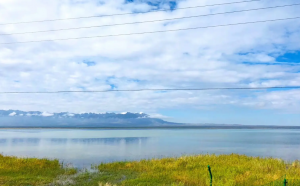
(159, 31)
(158, 20)
(160, 10)
(140, 90)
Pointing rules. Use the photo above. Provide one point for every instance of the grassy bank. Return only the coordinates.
(30, 171)
(228, 170)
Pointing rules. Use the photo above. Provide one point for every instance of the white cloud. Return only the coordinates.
(12, 114)
(187, 59)
(46, 114)
(156, 115)
(284, 100)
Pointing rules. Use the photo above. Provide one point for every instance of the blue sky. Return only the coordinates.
(231, 115)
(253, 55)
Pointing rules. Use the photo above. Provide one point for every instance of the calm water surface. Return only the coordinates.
(85, 147)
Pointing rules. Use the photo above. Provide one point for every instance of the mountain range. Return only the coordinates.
(17, 118)
(37, 119)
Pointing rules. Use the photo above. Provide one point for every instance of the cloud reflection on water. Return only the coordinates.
(57, 141)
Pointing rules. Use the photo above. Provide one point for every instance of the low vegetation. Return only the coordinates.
(192, 170)
(30, 171)
(227, 170)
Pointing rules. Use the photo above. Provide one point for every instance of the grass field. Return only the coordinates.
(30, 171)
(228, 170)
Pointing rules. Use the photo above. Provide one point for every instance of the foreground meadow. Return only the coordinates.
(227, 170)
(30, 171)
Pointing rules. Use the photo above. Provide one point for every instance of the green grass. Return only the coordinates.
(30, 171)
(228, 170)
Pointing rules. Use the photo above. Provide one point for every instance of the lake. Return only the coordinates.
(83, 147)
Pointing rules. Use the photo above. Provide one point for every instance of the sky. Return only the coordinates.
(250, 55)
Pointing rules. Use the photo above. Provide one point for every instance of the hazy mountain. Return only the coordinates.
(17, 118)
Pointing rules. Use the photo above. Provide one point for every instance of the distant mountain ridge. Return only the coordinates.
(18, 113)
(37, 119)
(17, 118)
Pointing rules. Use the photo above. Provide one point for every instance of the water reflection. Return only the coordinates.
(85, 147)
(17, 141)
(108, 141)
(59, 140)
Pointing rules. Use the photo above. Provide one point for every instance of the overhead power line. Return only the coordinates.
(121, 14)
(158, 20)
(151, 32)
(140, 90)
